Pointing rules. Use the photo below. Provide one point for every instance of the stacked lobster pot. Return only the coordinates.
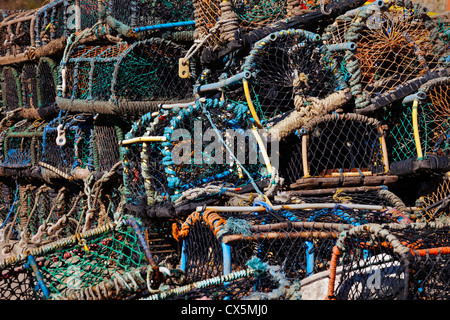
(221, 149)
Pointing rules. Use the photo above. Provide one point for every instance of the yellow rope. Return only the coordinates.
(336, 196)
(250, 104)
(416, 129)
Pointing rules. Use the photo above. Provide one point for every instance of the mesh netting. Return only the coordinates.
(299, 238)
(418, 133)
(11, 89)
(106, 136)
(289, 70)
(259, 281)
(51, 23)
(335, 145)
(397, 50)
(400, 134)
(8, 198)
(432, 202)
(437, 102)
(29, 86)
(145, 13)
(67, 143)
(40, 215)
(23, 32)
(130, 79)
(74, 263)
(229, 16)
(184, 159)
(17, 283)
(88, 15)
(23, 144)
(365, 195)
(47, 77)
(398, 261)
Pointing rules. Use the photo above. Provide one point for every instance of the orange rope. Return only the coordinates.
(333, 266)
(431, 251)
(212, 219)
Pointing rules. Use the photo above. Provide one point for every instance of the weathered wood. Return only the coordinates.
(331, 191)
(280, 235)
(305, 183)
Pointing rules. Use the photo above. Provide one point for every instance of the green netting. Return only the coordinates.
(400, 137)
(88, 13)
(74, 267)
(79, 261)
(124, 79)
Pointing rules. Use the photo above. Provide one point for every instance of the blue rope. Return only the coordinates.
(31, 263)
(11, 210)
(208, 115)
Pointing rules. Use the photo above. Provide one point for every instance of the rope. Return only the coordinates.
(129, 282)
(303, 115)
(55, 170)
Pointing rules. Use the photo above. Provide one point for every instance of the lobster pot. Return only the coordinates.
(418, 138)
(11, 89)
(42, 26)
(177, 156)
(139, 14)
(335, 148)
(380, 73)
(50, 22)
(41, 215)
(391, 262)
(23, 145)
(219, 243)
(67, 147)
(123, 79)
(76, 263)
(38, 85)
(335, 33)
(290, 70)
